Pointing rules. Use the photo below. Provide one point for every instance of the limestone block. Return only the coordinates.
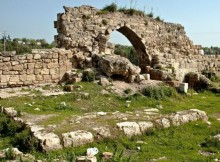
(23, 77)
(45, 71)
(39, 77)
(86, 159)
(17, 67)
(48, 141)
(30, 77)
(131, 78)
(6, 59)
(145, 126)
(30, 65)
(14, 78)
(55, 77)
(163, 122)
(5, 78)
(139, 78)
(77, 138)
(55, 56)
(183, 87)
(47, 77)
(38, 65)
(37, 56)
(10, 111)
(146, 76)
(14, 63)
(129, 128)
(29, 56)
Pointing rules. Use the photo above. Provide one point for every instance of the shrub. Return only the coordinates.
(160, 92)
(9, 154)
(111, 8)
(8, 127)
(25, 142)
(158, 18)
(150, 14)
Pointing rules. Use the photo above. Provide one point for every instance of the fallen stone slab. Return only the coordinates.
(77, 138)
(129, 128)
(10, 111)
(86, 159)
(48, 141)
(145, 126)
(163, 122)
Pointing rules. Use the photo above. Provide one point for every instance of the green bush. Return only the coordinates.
(159, 92)
(9, 154)
(8, 127)
(150, 14)
(111, 8)
(158, 19)
(25, 142)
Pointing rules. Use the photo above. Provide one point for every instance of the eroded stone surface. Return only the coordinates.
(77, 138)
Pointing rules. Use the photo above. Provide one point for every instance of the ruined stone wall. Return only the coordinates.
(39, 67)
(193, 63)
(86, 29)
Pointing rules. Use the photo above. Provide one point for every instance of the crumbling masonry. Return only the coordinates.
(83, 32)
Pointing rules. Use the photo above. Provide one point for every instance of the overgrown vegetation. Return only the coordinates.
(183, 143)
(129, 11)
(160, 92)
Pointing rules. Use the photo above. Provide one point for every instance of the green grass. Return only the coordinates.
(176, 144)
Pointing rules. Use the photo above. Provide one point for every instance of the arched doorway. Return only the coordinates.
(140, 49)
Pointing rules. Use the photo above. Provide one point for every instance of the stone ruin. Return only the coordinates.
(163, 49)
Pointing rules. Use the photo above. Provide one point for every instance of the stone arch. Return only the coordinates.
(87, 30)
(135, 40)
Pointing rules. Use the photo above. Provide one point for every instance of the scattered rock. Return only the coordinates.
(101, 113)
(217, 137)
(129, 128)
(86, 159)
(104, 81)
(37, 109)
(48, 141)
(77, 138)
(145, 126)
(10, 111)
(107, 155)
(102, 132)
(163, 122)
(151, 110)
(92, 151)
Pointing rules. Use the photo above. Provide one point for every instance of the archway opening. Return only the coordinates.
(129, 45)
(123, 47)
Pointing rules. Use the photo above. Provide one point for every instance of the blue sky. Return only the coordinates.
(34, 18)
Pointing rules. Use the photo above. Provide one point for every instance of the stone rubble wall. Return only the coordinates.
(193, 63)
(84, 28)
(39, 67)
